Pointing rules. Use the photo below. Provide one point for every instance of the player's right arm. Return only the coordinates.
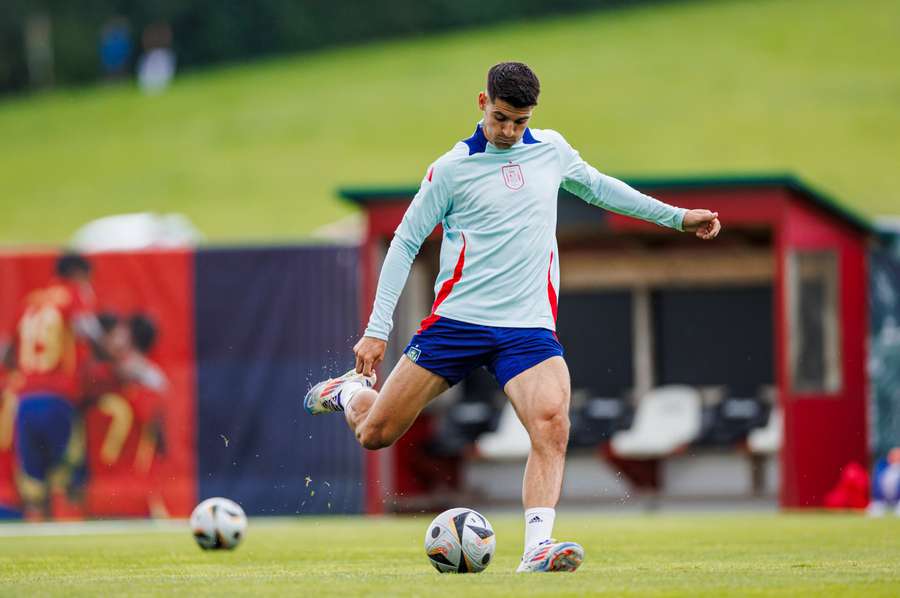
(7, 355)
(426, 211)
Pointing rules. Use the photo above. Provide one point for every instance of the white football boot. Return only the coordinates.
(325, 397)
(550, 555)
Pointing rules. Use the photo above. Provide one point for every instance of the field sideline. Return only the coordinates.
(637, 555)
(257, 151)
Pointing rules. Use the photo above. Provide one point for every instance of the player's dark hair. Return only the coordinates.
(514, 83)
(108, 320)
(72, 264)
(143, 332)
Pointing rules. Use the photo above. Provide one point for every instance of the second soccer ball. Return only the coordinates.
(218, 523)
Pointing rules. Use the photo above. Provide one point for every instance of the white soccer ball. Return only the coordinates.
(218, 523)
(460, 541)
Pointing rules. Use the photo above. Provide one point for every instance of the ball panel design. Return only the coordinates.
(460, 541)
(218, 523)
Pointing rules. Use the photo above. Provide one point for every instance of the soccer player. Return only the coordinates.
(495, 194)
(49, 347)
(124, 424)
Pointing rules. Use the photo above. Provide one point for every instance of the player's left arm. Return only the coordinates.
(596, 188)
(86, 325)
(133, 367)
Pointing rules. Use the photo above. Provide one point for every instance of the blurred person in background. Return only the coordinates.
(115, 48)
(886, 485)
(156, 66)
(54, 330)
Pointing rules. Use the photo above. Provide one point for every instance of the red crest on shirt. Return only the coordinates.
(513, 177)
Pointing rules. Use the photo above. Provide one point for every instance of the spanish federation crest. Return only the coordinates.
(513, 177)
(413, 353)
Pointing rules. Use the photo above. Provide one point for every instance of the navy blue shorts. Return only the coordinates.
(43, 428)
(451, 349)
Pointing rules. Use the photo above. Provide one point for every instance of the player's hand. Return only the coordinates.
(703, 223)
(369, 353)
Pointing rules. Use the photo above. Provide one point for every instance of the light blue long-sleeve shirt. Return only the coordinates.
(499, 262)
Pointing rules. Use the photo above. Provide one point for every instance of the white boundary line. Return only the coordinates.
(104, 527)
(16, 529)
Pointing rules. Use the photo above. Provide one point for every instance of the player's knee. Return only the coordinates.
(551, 432)
(374, 437)
(373, 442)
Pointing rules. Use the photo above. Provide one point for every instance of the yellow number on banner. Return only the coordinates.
(121, 417)
(42, 336)
(146, 449)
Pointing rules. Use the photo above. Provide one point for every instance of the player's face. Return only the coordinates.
(504, 124)
(82, 281)
(118, 341)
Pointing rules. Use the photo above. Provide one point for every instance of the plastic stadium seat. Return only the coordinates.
(462, 424)
(475, 413)
(510, 441)
(767, 440)
(666, 419)
(597, 420)
(729, 421)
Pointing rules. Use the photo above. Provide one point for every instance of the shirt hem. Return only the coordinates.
(495, 324)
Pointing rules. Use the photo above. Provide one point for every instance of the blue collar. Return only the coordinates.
(478, 142)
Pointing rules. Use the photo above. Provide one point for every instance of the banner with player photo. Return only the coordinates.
(136, 384)
(125, 447)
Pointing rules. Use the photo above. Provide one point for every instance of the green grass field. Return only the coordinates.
(256, 152)
(633, 555)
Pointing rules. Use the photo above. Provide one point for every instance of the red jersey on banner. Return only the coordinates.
(48, 351)
(122, 430)
(123, 439)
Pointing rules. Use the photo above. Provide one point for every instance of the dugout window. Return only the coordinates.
(814, 340)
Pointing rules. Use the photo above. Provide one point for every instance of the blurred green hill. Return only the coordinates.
(256, 152)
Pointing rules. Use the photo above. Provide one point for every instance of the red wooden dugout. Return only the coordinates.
(779, 234)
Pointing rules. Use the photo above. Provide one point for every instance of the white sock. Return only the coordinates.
(348, 389)
(538, 525)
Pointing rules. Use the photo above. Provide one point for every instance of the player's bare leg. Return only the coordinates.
(540, 396)
(378, 419)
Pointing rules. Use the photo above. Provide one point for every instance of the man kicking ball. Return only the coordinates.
(495, 195)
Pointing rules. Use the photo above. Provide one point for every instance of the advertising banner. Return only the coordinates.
(136, 384)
